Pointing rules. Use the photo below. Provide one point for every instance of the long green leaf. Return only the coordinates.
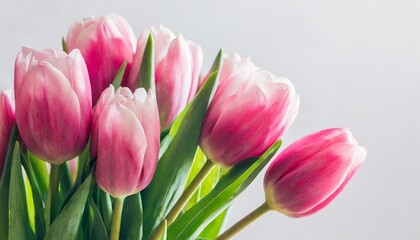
(208, 183)
(97, 226)
(212, 230)
(19, 220)
(105, 207)
(147, 68)
(217, 63)
(132, 218)
(40, 173)
(38, 204)
(5, 185)
(119, 76)
(174, 165)
(66, 225)
(192, 222)
(64, 45)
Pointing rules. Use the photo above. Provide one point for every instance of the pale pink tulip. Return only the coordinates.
(105, 42)
(125, 139)
(178, 64)
(312, 171)
(251, 110)
(7, 120)
(53, 103)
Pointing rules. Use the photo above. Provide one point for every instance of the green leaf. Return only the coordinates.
(217, 63)
(64, 45)
(193, 221)
(65, 180)
(97, 226)
(105, 206)
(5, 185)
(173, 167)
(165, 231)
(212, 230)
(66, 225)
(119, 76)
(147, 69)
(40, 173)
(30, 202)
(132, 218)
(208, 183)
(37, 200)
(84, 170)
(19, 220)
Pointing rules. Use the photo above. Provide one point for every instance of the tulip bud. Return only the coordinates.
(250, 110)
(105, 42)
(7, 120)
(125, 139)
(53, 103)
(178, 64)
(312, 171)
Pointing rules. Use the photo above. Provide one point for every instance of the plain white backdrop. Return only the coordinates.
(354, 63)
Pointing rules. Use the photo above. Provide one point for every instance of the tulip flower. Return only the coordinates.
(125, 139)
(311, 172)
(178, 64)
(105, 42)
(53, 103)
(251, 109)
(7, 120)
(307, 175)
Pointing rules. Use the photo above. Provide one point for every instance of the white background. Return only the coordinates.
(354, 63)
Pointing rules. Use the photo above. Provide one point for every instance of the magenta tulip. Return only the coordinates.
(105, 42)
(7, 120)
(312, 171)
(53, 103)
(125, 139)
(178, 64)
(251, 110)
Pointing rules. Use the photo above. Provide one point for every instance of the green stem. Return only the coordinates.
(189, 191)
(52, 206)
(183, 200)
(116, 218)
(261, 210)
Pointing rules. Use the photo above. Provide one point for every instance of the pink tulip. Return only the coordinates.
(178, 64)
(105, 42)
(125, 139)
(311, 172)
(251, 110)
(7, 120)
(53, 103)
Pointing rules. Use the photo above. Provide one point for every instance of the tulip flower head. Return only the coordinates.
(53, 103)
(251, 109)
(125, 139)
(105, 42)
(178, 64)
(7, 120)
(312, 171)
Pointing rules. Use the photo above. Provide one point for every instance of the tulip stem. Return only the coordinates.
(116, 218)
(52, 205)
(183, 200)
(189, 191)
(261, 210)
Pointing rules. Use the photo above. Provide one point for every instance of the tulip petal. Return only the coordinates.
(312, 182)
(260, 104)
(173, 79)
(40, 110)
(119, 165)
(358, 159)
(298, 152)
(147, 113)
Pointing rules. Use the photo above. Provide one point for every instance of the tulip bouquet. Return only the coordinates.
(108, 140)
